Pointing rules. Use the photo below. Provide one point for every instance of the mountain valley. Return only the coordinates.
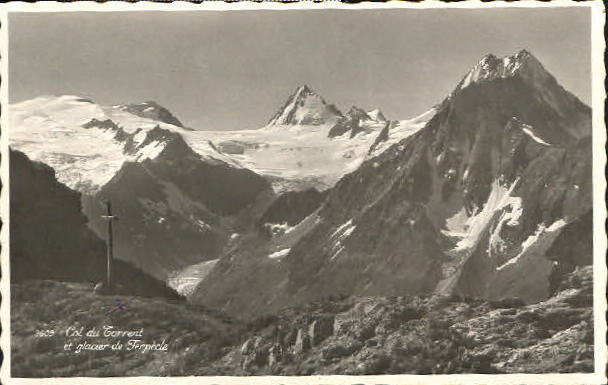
(355, 243)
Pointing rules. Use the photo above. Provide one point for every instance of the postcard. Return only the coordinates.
(327, 193)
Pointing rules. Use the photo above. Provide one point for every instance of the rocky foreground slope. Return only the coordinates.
(361, 335)
(193, 337)
(391, 335)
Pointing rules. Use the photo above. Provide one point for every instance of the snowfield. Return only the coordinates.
(51, 129)
(401, 130)
(293, 156)
(468, 229)
(185, 281)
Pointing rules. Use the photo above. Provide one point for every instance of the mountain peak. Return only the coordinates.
(357, 113)
(305, 89)
(376, 114)
(152, 110)
(491, 67)
(305, 107)
(524, 53)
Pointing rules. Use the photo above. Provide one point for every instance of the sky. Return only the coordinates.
(234, 70)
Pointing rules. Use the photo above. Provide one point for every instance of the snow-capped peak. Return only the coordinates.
(152, 110)
(87, 143)
(490, 67)
(377, 115)
(303, 90)
(305, 107)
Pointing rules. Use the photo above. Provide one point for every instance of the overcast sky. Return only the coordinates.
(233, 70)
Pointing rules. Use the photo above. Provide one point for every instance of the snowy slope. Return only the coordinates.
(377, 115)
(396, 131)
(87, 143)
(186, 280)
(296, 149)
(293, 156)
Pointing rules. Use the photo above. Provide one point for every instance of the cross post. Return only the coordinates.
(109, 243)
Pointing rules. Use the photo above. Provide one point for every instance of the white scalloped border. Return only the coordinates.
(599, 213)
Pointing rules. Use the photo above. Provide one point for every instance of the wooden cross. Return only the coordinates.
(109, 245)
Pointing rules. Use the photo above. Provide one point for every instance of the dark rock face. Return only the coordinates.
(152, 110)
(302, 342)
(382, 136)
(358, 113)
(320, 329)
(292, 207)
(50, 238)
(341, 127)
(49, 234)
(224, 189)
(543, 103)
(574, 247)
(120, 135)
(152, 232)
(554, 187)
(350, 123)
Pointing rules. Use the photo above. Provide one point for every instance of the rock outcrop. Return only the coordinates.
(154, 111)
(435, 335)
(292, 207)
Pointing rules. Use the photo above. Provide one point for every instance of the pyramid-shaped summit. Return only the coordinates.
(305, 107)
(520, 83)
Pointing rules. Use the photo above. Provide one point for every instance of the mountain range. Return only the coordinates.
(467, 198)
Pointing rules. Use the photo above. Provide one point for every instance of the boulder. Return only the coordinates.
(275, 355)
(254, 353)
(340, 348)
(373, 361)
(302, 342)
(320, 329)
(250, 345)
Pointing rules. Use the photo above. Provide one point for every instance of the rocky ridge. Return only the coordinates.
(413, 335)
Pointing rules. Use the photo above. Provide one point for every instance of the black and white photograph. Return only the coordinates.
(280, 191)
